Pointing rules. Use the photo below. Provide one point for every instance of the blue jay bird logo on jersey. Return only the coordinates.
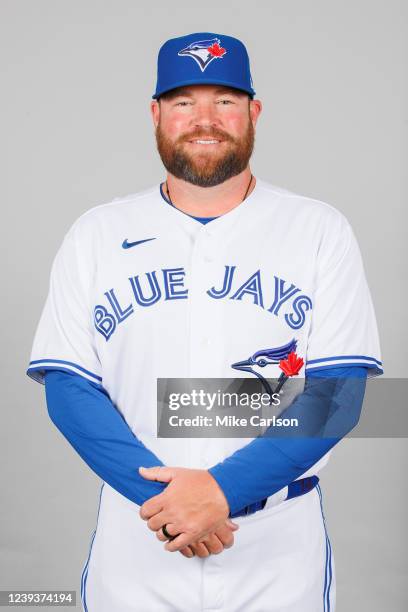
(284, 356)
(204, 52)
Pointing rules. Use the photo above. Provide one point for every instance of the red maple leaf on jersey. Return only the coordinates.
(216, 50)
(292, 365)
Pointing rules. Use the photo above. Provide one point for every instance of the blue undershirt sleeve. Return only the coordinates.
(85, 415)
(327, 409)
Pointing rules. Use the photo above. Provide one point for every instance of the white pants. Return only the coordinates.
(281, 561)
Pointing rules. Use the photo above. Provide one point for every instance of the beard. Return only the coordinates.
(206, 168)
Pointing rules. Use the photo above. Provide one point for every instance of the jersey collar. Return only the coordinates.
(217, 222)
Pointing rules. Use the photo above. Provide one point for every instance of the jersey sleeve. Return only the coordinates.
(64, 338)
(343, 328)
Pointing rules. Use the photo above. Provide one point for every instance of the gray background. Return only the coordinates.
(77, 81)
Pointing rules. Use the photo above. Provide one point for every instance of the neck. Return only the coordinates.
(209, 201)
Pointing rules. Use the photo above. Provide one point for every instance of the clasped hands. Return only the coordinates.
(193, 508)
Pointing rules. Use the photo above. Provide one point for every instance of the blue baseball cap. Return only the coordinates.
(203, 58)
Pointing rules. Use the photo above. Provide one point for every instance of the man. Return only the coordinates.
(210, 273)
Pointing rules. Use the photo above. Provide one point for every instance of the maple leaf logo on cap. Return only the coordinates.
(216, 50)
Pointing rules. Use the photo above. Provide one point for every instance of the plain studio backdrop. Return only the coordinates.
(77, 81)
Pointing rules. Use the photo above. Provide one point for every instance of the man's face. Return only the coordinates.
(205, 133)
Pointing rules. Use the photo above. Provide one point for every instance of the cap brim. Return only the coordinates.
(250, 92)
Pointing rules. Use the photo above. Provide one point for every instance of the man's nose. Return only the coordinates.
(205, 115)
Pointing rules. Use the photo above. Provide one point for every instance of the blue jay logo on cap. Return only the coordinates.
(204, 52)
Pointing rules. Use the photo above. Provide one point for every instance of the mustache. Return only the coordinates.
(214, 134)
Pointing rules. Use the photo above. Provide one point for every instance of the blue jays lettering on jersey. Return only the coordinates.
(170, 284)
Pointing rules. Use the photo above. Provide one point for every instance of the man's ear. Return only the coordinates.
(255, 109)
(155, 111)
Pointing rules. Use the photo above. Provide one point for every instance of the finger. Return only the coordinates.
(171, 529)
(213, 544)
(160, 536)
(151, 507)
(227, 540)
(187, 552)
(158, 520)
(200, 549)
(232, 525)
(226, 536)
(159, 472)
(182, 540)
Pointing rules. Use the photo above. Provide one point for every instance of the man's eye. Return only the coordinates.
(182, 103)
(226, 102)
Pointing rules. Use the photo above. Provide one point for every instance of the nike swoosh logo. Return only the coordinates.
(129, 245)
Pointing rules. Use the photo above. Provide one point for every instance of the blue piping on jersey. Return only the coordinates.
(30, 371)
(344, 357)
(372, 369)
(328, 568)
(84, 575)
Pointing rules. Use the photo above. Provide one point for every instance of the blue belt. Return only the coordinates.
(295, 488)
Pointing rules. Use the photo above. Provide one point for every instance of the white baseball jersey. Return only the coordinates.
(140, 290)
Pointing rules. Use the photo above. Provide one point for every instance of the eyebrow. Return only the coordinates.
(187, 92)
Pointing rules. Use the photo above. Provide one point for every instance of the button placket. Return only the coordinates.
(203, 329)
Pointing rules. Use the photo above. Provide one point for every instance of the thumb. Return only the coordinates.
(159, 472)
(232, 525)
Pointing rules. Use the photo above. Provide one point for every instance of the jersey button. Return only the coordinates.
(208, 258)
